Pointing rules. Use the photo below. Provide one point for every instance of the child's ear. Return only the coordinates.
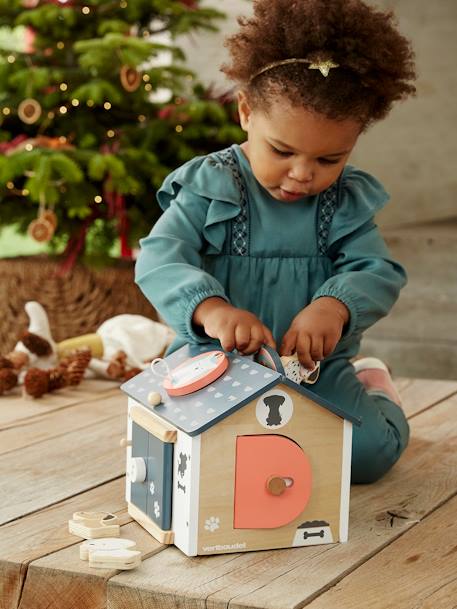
(244, 110)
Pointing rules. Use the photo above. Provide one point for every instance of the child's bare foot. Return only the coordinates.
(375, 376)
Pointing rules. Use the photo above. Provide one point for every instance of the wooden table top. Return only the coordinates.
(61, 454)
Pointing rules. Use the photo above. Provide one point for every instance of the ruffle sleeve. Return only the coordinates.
(197, 199)
(207, 177)
(361, 197)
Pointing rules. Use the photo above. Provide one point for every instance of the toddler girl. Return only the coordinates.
(273, 241)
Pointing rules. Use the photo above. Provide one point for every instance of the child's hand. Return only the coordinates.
(234, 328)
(315, 331)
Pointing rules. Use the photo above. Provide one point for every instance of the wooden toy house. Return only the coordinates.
(249, 460)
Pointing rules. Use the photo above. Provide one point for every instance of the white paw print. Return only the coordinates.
(156, 509)
(212, 523)
(152, 488)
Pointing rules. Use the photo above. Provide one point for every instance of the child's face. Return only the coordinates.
(293, 152)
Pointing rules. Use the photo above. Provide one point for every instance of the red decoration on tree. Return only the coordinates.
(192, 4)
(29, 40)
(6, 147)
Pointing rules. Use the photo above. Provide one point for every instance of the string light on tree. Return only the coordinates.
(60, 45)
(98, 199)
(6, 111)
(107, 106)
(85, 10)
(110, 133)
(63, 86)
(75, 102)
(90, 103)
(63, 109)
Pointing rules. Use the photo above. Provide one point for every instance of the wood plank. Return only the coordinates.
(421, 481)
(63, 581)
(48, 472)
(46, 531)
(420, 394)
(15, 408)
(63, 420)
(417, 570)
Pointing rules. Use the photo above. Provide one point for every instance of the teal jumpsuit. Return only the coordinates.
(222, 234)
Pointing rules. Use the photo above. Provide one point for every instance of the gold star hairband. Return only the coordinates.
(324, 66)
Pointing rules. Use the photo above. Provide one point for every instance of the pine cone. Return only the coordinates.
(5, 362)
(36, 344)
(36, 382)
(131, 373)
(120, 356)
(115, 370)
(57, 378)
(64, 362)
(8, 379)
(19, 359)
(77, 366)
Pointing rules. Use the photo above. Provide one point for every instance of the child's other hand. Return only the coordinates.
(315, 331)
(234, 328)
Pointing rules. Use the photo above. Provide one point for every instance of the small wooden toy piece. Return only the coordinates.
(91, 525)
(107, 543)
(154, 398)
(110, 553)
(195, 373)
(115, 559)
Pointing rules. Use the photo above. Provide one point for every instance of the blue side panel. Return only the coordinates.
(139, 490)
(159, 481)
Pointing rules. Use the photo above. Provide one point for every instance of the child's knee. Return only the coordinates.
(378, 444)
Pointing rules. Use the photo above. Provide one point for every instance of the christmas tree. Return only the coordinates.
(92, 120)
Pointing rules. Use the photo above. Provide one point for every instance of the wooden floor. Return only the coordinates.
(61, 454)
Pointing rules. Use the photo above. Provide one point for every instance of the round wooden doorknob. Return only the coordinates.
(276, 485)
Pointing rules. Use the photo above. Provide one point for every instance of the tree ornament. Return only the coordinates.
(41, 230)
(130, 78)
(29, 111)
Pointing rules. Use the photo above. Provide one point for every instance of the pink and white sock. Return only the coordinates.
(375, 376)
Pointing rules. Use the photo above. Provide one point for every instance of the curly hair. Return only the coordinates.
(376, 63)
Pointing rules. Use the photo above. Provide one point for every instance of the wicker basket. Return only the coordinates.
(76, 304)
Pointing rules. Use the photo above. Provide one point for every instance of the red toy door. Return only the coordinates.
(272, 481)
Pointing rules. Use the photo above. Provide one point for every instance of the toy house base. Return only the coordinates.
(250, 462)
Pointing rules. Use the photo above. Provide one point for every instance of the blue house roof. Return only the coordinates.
(243, 381)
